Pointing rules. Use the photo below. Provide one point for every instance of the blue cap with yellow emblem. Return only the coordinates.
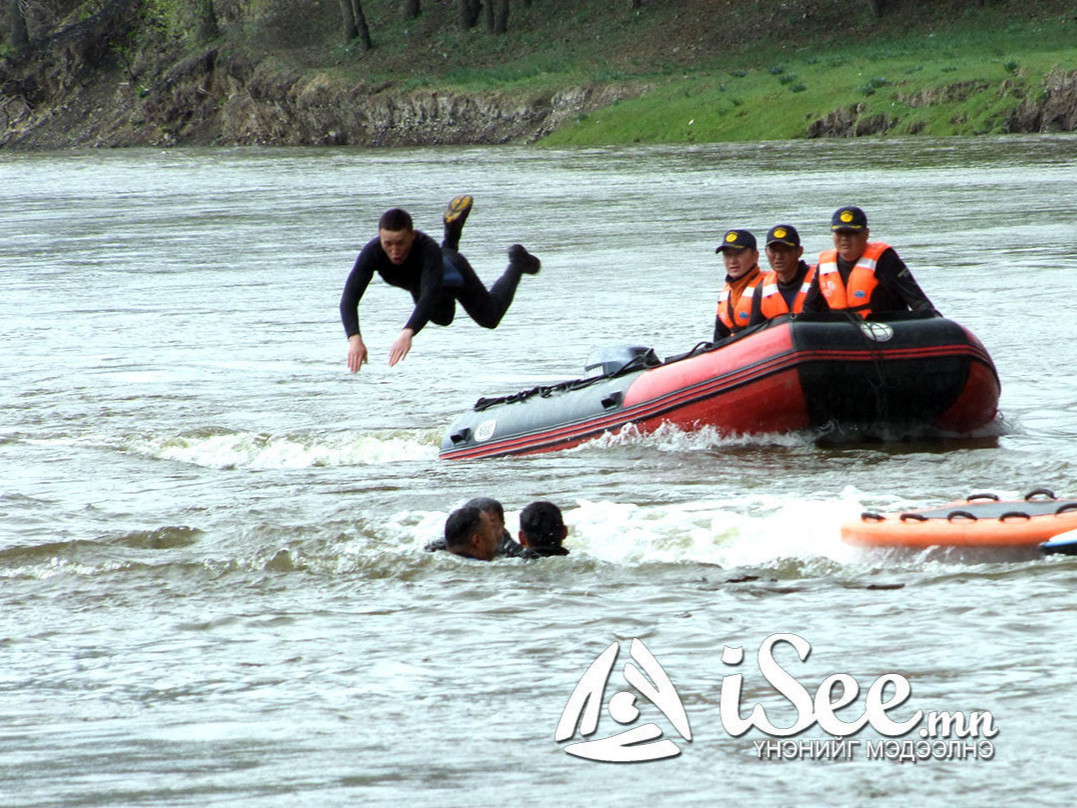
(783, 234)
(736, 240)
(850, 218)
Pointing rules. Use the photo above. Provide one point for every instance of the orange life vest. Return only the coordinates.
(772, 304)
(856, 294)
(735, 300)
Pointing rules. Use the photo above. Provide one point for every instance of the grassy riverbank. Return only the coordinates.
(568, 72)
(770, 71)
(958, 94)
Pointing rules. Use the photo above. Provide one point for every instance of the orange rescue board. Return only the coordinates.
(982, 520)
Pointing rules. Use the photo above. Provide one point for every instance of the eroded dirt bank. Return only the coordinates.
(80, 91)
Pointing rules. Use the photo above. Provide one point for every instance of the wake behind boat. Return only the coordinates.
(903, 375)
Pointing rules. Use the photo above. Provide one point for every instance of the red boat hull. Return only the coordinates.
(916, 375)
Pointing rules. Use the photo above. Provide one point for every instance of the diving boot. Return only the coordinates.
(523, 261)
(454, 218)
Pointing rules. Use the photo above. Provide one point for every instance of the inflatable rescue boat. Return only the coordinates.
(981, 521)
(895, 377)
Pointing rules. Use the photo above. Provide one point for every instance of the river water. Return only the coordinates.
(212, 588)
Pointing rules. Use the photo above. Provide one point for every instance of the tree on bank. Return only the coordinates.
(469, 13)
(501, 18)
(354, 20)
(20, 35)
(497, 16)
(412, 9)
(206, 15)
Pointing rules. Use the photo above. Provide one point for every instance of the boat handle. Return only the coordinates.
(1069, 506)
(874, 517)
(613, 400)
(1008, 514)
(1040, 492)
(992, 497)
(961, 514)
(913, 517)
(460, 437)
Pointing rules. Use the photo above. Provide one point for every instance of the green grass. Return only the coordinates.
(755, 104)
(748, 73)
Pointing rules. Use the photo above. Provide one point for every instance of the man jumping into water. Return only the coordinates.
(436, 277)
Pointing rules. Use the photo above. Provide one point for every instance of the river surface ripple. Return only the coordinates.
(212, 589)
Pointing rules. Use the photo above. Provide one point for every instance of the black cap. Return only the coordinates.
(850, 218)
(783, 234)
(736, 240)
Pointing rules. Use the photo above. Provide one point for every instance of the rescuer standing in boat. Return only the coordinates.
(861, 276)
(784, 288)
(436, 276)
(741, 257)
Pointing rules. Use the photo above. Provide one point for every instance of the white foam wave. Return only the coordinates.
(752, 531)
(672, 438)
(729, 533)
(260, 451)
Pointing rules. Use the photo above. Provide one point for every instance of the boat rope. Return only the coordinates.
(636, 363)
(880, 384)
(1043, 497)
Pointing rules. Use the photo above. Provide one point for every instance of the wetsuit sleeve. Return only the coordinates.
(510, 548)
(721, 330)
(814, 302)
(892, 273)
(756, 314)
(431, 279)
(355, 286)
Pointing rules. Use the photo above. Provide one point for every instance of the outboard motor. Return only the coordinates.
(613, 358)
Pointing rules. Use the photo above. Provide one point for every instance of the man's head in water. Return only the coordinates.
(396, 233)
(542, 528)
(471, 533)
(492, 508)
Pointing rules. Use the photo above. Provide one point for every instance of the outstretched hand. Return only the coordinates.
(400, 347)
(357, 354)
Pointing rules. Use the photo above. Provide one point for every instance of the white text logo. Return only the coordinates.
(833, 708)
(632, 745)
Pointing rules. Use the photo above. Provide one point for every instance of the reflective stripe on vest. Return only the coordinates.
(742, 312)
(773, 302)
(856, 294)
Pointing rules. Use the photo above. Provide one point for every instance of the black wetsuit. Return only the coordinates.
(788, 291)
(549, 551)
(436, 278)
(896, 289)
(508, 547)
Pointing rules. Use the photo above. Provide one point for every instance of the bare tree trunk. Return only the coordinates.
(412, 9)
(501, 21)
(634, 4)
(877, 7)
(206, 15)
(488, 14)
(347, 16)
(20, 36)
(360, 23)
(469, 13)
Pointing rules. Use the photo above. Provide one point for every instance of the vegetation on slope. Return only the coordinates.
(701, 70)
